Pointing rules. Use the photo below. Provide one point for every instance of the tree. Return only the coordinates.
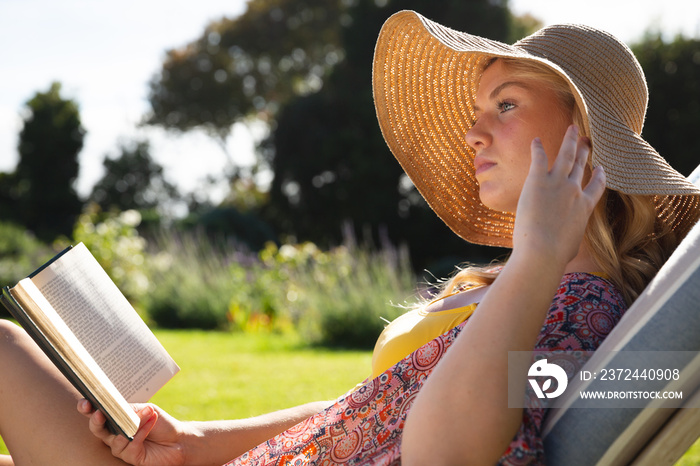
(673, 76)
(331, 164)
(9, 198)
(304, 66)
(247, 66)
(133, 180)
(49, 143)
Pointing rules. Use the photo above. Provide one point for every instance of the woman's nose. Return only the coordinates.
(478, 136)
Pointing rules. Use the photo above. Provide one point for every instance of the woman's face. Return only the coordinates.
(511, 112)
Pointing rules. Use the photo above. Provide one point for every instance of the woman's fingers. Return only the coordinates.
(155, 443)
(538, 163)
(97, 423)
(84, 407)
(568, 153)
(149, 417)
(596, 185)
(570, 163)
(118, 443)
(133, 451)
(555, 203)
(571, 160)
(578, 169)
(98, 427)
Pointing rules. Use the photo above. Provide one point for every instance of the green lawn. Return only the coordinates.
(231, 376)
(691, 457)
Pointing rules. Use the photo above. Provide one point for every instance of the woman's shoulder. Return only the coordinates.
(585, 309)
(583, 293)
(590, 286)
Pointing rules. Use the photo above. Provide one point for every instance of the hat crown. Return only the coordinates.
(604, 70)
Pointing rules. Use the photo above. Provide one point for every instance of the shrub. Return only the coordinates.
(342, 297)
(20, 254)
(114, 241)
(196, 281)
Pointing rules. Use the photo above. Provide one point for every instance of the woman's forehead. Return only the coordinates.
(497, 78)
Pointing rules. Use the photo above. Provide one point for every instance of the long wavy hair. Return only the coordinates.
(628, 241)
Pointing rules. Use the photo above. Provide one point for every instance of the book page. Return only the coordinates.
(100, 390)
(106, 324)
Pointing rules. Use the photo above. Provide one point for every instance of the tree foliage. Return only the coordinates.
(305, 67)
(133, 180)
(673, 76)
(248, 65)
(331, 164)
(49, 142)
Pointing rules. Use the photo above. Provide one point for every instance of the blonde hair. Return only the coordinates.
(625, 236)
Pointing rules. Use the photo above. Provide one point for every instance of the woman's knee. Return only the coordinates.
(9, 330)
(12, 337)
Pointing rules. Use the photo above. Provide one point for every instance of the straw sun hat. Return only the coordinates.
(425, 78)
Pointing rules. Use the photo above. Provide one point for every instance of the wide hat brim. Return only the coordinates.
(425, 77)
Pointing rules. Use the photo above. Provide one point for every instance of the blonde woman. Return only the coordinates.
(534, 146)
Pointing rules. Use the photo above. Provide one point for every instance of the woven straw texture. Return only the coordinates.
(425, 78)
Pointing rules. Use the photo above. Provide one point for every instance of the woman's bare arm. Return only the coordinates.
(163, 440)
(461, 414)
(233, 438)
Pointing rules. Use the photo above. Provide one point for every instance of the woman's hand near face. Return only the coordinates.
(555, 205)
(158, 441)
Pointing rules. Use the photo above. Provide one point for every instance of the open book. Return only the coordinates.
(88, 329)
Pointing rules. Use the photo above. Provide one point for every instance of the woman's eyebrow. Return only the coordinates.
(498, 89)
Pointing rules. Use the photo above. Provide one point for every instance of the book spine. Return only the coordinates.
(25, 321)
(53, 259)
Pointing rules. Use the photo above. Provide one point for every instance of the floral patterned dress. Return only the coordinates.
(364, 426)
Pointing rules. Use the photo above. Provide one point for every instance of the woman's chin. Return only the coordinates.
(495, 201)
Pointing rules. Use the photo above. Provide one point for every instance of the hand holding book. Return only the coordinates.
(81, 320)
(158, 441)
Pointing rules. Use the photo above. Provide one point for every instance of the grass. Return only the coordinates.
(234, 376)
(227, 375)
(691, 457)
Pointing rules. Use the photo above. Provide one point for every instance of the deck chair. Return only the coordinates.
(666, 317)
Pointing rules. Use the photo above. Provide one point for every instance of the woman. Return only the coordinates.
(497, 139)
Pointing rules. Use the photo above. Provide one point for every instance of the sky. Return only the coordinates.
(104, 52)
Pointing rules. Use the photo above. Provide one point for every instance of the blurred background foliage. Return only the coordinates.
(282, 255)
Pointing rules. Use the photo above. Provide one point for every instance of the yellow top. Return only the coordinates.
(412, 330)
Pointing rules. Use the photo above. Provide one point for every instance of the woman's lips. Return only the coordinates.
(481, 165)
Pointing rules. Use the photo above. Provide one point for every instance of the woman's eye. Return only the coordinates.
(505, 106)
